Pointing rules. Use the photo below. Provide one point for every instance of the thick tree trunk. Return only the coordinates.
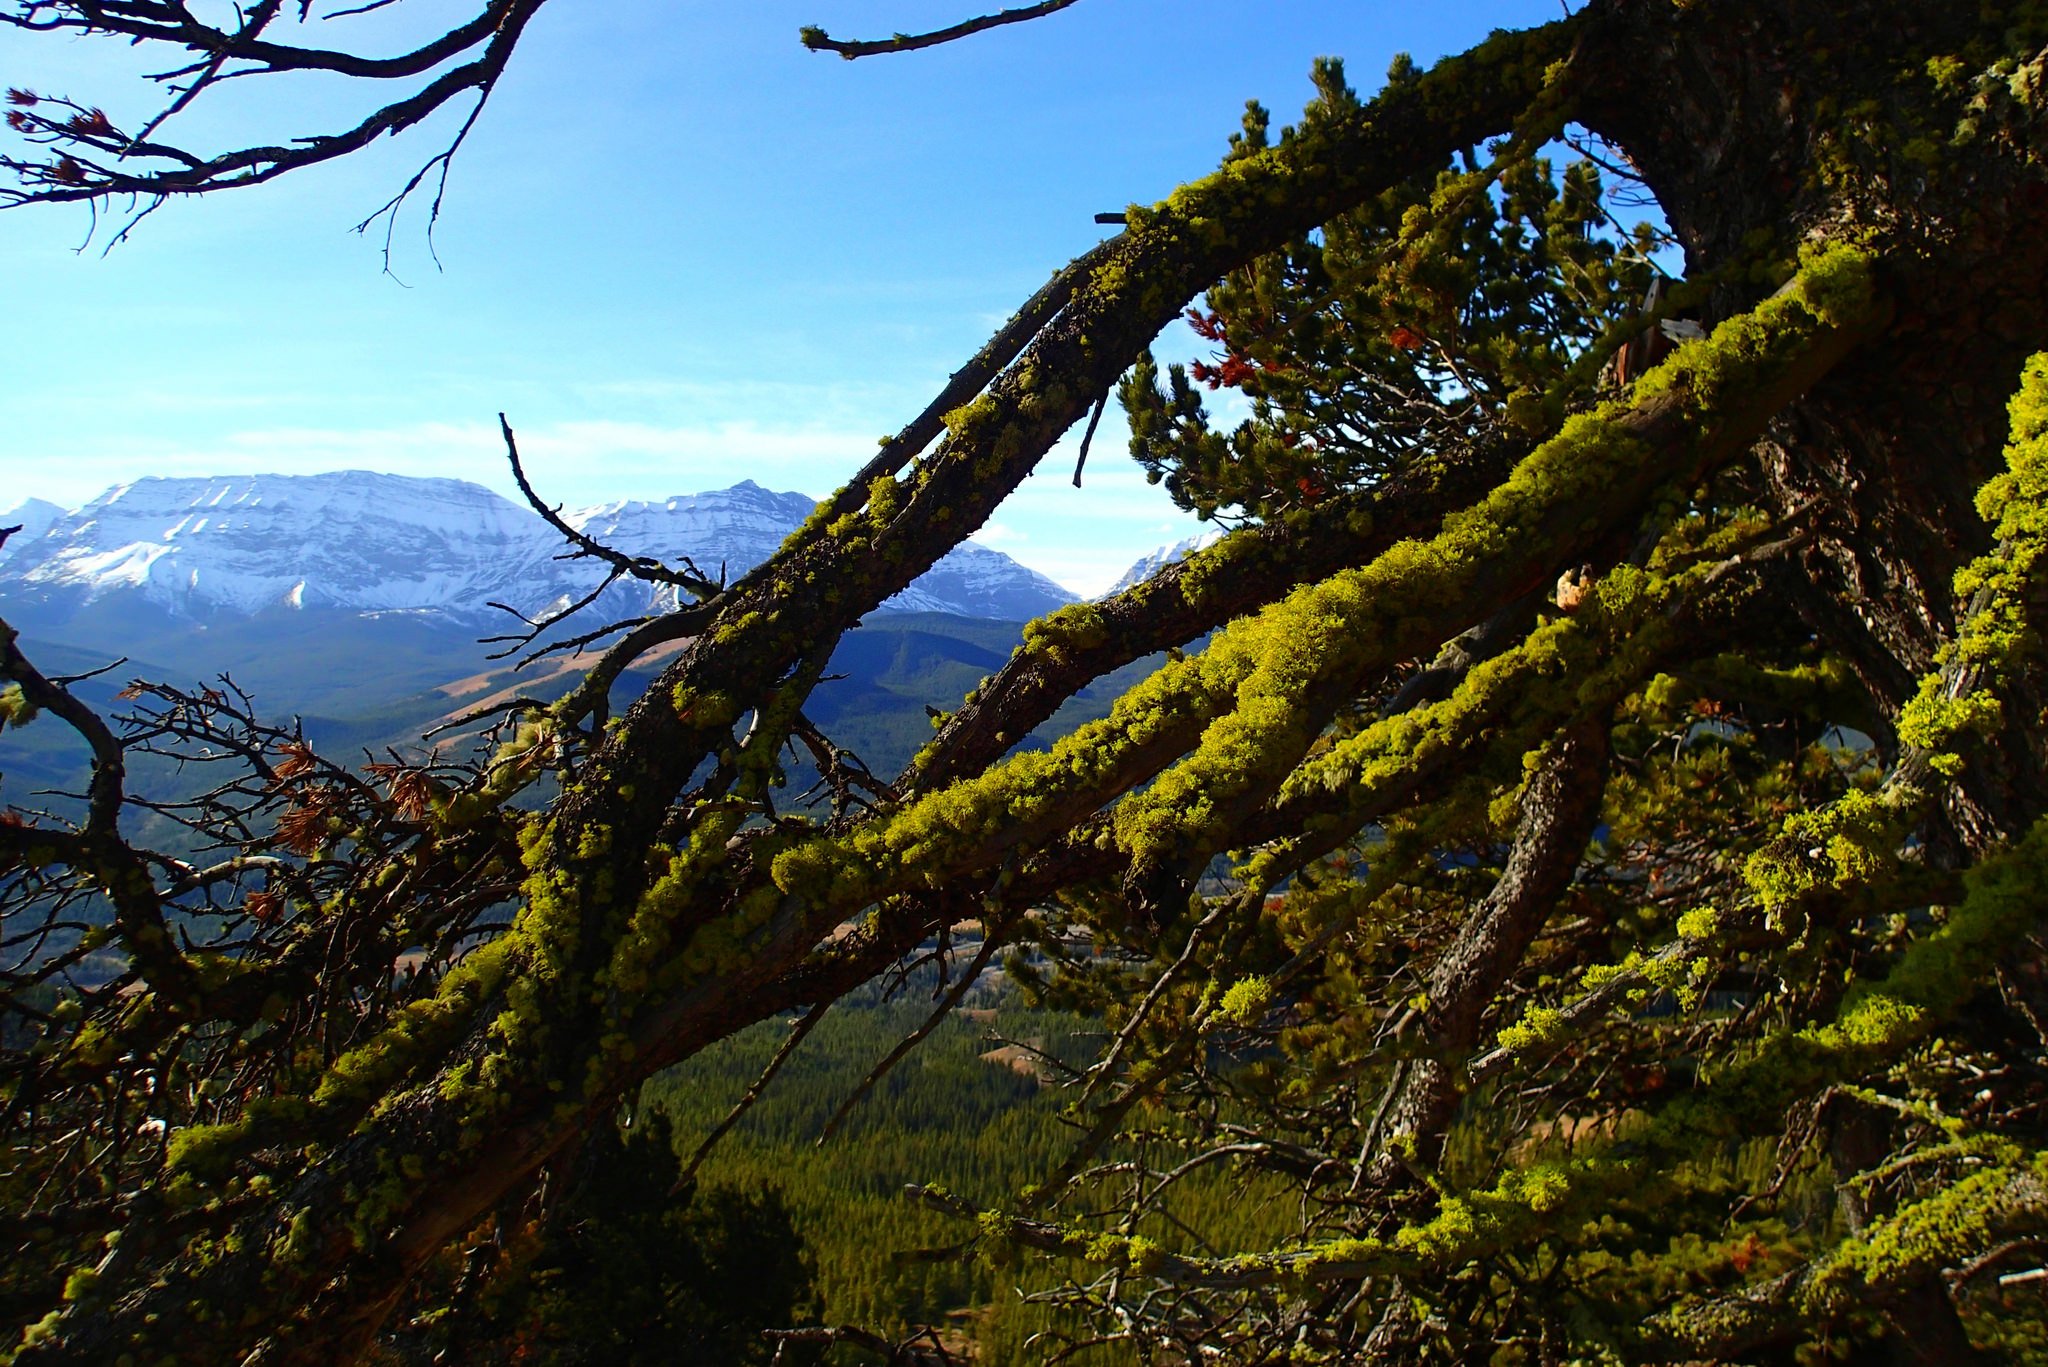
(1775, 122)
(1781, 121)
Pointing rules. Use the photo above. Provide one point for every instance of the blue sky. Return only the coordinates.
(678, 251)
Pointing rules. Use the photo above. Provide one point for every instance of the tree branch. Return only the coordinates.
(817, 40)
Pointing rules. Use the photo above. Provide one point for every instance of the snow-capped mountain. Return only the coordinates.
(364, 542)
(33, 516)
(1150, 565)
(353, 540)
(739, 527)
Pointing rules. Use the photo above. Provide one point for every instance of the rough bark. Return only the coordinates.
(1559, 811)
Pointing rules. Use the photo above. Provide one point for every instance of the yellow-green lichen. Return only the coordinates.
(15, 708)
(1247, 1001)
(1538, 1026)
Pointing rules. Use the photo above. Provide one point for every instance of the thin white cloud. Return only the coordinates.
(1000, 534)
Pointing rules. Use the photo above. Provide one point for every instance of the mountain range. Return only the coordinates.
(355, 600)
(200, 549)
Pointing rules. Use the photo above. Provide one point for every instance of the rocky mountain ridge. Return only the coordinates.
(1147, 566)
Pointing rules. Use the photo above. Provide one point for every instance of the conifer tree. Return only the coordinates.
(1590, 869)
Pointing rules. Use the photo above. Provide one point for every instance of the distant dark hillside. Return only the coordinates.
(369, 681)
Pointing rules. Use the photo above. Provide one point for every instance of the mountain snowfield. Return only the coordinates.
(372, 543)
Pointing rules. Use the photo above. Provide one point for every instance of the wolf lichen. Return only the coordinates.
(15, 708)
(1247, 1001)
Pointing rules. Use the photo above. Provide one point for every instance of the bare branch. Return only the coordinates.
(95, 162)
(753, 1093)
(817, 40)
(638, 566)
(991, 940)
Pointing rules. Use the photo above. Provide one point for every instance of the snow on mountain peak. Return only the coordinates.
(370, 542)
(1149, 565)
(33, 516)
(355, 539)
